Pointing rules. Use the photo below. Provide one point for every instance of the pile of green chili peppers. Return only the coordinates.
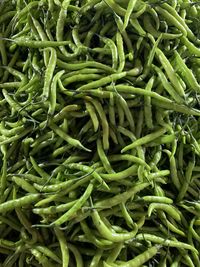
(99, 133)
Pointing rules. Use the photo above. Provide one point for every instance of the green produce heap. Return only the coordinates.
(99, 133)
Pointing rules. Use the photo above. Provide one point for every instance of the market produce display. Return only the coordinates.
(99, 133)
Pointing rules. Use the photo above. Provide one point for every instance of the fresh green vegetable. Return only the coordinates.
(99, 133)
